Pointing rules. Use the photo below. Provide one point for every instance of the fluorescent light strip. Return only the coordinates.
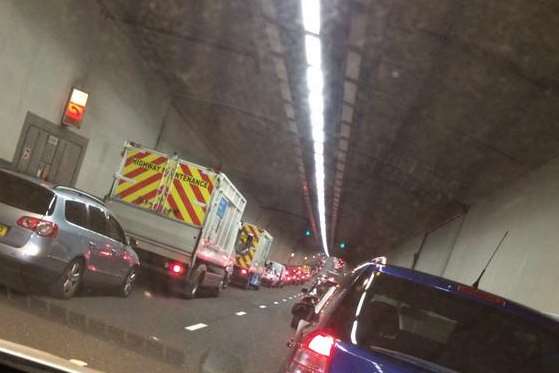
(315, 85)
(311, 15)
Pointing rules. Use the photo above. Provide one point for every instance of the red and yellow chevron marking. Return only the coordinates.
(190, 194)
(142, 175)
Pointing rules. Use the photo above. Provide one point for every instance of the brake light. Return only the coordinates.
(322, 344)
(314, 354)
(488, 297)
(244, 271)
(43, 228)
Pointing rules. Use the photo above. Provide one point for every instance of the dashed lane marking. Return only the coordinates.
(284, 300)
(262, 306)
(194, 327)
(240, 313)
(276, 302)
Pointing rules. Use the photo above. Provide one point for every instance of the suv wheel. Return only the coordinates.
(128, 283)
(69, 283)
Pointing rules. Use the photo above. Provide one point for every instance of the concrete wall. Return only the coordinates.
(436, 250)
(46, 48)
(526, 267)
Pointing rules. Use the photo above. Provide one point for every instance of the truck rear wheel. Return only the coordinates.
(192, 287)
(222, 275)
(214, 292)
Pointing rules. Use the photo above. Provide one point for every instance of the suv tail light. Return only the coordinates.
(42, 227)
(314, 354)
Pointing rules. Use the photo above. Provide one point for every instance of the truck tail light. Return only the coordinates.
(42, 227)
(176, 268)
(314, 354)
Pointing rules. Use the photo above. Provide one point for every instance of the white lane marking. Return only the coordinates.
(284, 300)
(195, 327)
(153, 338)
(77, 362)
(276, 302)
(240, 313)
(262, 306)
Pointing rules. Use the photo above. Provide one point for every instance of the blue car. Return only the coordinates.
(387, 319)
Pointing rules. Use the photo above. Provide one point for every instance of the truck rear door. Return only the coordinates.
(223, 221)
(141, 178)
(189, 194)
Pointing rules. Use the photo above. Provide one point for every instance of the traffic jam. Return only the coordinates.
(287, 186)
(177, 222)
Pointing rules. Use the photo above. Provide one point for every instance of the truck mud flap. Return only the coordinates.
(213, 277)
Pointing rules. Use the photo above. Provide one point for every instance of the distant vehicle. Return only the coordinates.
(292, 277)
(332, 267)
(299, 274)
(182, 218)
(273, 275)
(253, 248)
(395, 320)
(285, 278)
(311, 296)
(61, 237)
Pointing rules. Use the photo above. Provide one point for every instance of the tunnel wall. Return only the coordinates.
(525, 268)
(48, 47)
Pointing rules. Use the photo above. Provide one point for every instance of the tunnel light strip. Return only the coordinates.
(315, 85)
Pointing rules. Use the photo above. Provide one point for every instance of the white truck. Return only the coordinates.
(182, 219)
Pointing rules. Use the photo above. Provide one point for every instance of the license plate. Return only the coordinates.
(3, 230)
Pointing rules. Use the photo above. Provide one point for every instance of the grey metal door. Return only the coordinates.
(49, 152)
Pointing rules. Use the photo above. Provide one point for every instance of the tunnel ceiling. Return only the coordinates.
(454, 99)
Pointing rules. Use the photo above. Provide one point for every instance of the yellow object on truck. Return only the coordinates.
(253, 248)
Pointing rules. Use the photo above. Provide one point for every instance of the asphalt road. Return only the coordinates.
(242, 327)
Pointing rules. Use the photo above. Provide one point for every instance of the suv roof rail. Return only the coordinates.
(80, 193)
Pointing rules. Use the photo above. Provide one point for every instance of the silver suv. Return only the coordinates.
(60, 237)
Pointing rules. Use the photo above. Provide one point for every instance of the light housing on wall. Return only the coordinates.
(74, 110)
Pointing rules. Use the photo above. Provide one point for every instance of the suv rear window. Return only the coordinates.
(97, 221)
(418, 323)
(114, 230)
(25, 195)
(76, 213)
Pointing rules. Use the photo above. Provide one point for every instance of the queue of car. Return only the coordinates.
(61, 239)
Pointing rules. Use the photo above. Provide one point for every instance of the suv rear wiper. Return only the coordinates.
(413, 359)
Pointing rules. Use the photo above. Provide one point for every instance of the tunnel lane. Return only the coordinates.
(250, 326)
